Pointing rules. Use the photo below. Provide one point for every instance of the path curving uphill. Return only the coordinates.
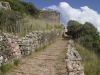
(47, 62)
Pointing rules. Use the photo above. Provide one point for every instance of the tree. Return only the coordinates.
(85, 34)
(74, 28)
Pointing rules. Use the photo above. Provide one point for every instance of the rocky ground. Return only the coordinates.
(47, 62)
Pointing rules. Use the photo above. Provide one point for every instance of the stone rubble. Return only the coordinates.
(1, 59)
(73, 66)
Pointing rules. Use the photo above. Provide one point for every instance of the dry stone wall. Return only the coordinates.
(37, 39)
(13, 47)
(5, 49)
(50, 16)
(74, 66)
(13, 42)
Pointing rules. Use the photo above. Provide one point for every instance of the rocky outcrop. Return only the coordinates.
(74, 66)
(5, 5)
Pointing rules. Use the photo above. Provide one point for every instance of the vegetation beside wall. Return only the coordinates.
(30, 24)
(90, 60)
(85, 34)
(11, 24)
(9, 19)
(87, 40)
(23, 18)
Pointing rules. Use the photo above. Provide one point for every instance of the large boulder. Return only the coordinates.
(5, 5)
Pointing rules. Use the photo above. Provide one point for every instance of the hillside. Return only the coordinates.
(22, 17)
(23, 32)
(23, 7)
(25, 29)
(90, 60)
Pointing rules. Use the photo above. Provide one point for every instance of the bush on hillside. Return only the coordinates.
(8, 20)
(31, 9)
(23, 7)
(85, 34)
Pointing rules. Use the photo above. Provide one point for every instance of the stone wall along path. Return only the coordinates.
(74, 66)
(47, 62)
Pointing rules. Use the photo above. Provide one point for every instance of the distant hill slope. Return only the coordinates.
(23, 7)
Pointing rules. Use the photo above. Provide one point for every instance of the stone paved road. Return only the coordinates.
(47, 62)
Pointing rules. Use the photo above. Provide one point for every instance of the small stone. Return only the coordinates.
(1, 60)
(81, 73)
(79, 68)
(72, 73)
(6, 59)
(69, 67)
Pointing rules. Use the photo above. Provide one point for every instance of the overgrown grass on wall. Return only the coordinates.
(28, 24)
(35, 24)
(90, 60)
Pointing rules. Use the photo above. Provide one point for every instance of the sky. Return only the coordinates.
(79, 10)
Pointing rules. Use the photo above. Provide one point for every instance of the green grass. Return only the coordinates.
(31, 52)
(5, 68)
(16, 62)
(90, 61)
(8, 66)
(41, 48)
(29, 24)
(40, 65)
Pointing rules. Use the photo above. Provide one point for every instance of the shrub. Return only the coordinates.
(23, 7)
(85, 34)
(5, 68)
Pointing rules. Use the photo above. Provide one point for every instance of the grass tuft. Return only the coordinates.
(43, 47)
(16, 62)
(31, 52)
(40, 48)
(5, 68)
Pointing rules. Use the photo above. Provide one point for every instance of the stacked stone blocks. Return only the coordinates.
(13, 47)
(74, 66)
(50, 16)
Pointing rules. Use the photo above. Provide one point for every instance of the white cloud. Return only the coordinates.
(81, 15)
